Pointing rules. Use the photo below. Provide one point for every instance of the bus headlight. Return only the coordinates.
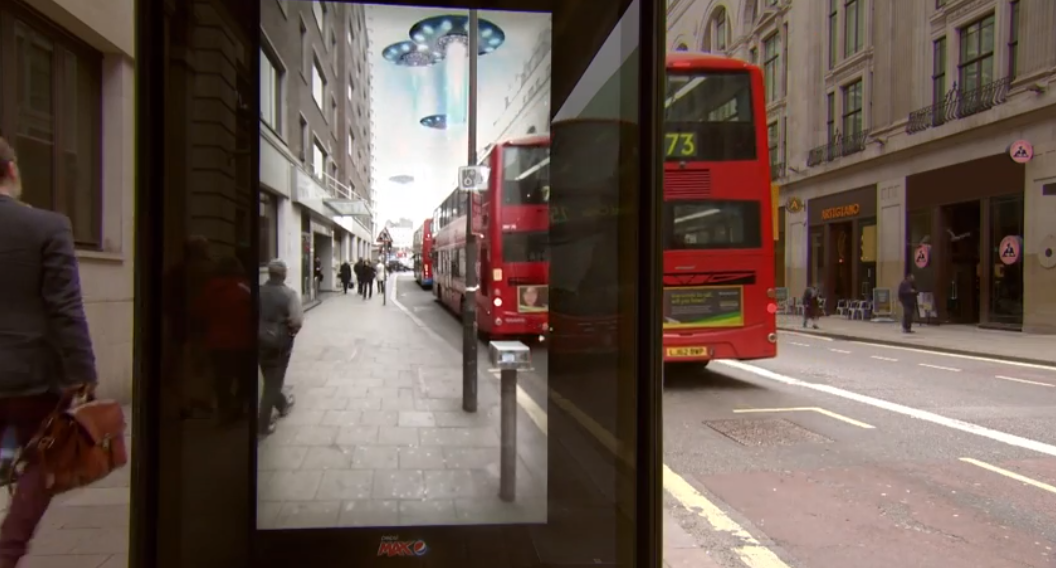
(771, 308)
(496, 275)
(497, 301)
(772, 338)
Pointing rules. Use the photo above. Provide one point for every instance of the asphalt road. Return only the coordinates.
(838, 454)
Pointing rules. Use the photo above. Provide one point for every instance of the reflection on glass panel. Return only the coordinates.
(1006, 281)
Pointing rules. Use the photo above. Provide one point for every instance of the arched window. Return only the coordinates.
(717, 33)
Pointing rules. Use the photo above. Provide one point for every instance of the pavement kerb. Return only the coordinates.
(909, 344)
(522, 397)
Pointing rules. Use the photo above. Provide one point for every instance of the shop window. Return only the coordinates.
(1006, 274)
(918, 234)
(816, 270)
(867, 259)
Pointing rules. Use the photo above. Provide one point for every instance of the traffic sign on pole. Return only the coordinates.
(473, 178)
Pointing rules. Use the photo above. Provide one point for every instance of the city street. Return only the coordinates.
(839, 453)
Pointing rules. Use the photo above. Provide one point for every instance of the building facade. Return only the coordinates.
(74, 133)
(317, 200)
(921, 138)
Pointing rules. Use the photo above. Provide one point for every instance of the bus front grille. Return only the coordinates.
(687, 183)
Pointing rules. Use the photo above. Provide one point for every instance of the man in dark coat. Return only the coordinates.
(45, 348)
(346, 276)
(907, 296)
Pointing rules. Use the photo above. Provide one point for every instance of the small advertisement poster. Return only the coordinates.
(533, 299)
(882, 305)
(704, 306)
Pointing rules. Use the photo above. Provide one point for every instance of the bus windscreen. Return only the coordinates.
(526, 175)
(708, 116)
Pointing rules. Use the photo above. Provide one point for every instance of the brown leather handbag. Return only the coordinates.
(79, 444)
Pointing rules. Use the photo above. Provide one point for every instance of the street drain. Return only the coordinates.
(765, 432)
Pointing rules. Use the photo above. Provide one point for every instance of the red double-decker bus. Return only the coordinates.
(719, 296)
(422, 251)
(511, 221)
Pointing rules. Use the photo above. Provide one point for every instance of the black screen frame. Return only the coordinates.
(155, 501)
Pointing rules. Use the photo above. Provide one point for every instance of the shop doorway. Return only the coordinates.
(963, 226)
(842, 242)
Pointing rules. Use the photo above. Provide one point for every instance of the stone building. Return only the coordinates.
(907, 136)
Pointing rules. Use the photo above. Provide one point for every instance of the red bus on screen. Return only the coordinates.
(422, 249)
(511, 223)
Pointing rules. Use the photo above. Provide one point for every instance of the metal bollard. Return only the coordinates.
(509, 357)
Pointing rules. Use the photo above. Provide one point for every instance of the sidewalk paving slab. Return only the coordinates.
(378, 436)
(681, 550)
(955, 339)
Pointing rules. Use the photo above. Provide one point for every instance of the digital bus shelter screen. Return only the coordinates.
(362, 419)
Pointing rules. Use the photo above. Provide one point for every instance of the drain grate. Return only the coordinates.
(765, 432)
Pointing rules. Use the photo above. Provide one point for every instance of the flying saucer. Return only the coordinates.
(411, 54)
(437, 121)
(439, 31)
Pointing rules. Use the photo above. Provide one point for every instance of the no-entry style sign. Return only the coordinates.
(1021, 151)
(922, 257)
(1010, 249)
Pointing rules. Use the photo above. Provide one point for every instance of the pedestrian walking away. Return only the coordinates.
(361, 278)
(346, 276)
(381, 275)
(281, 318)
(811, 307)
(45, 347)
(907, 296)
(369, 273)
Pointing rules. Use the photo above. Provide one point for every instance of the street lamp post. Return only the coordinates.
(469, 300)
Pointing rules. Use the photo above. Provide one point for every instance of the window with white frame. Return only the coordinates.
(771, 66)
(853, 27)
(853, 119)
(976, 67)
(318, 158)
(351, 140)
(318, 84)
(271, 79)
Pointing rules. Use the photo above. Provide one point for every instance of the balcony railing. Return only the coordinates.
(959, 104)
(839, 147)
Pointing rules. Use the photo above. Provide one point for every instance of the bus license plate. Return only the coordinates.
(687, 351)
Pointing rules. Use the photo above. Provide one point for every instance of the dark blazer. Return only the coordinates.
(44, 340)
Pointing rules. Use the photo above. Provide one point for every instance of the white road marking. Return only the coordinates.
(960, 356)
(1010, 474)
(940, 367)
(752, 553)
(799, 344)
(1025, 381)
(803, 334)
(821, 411)
(844, 351)
(884, 358)
(924, 415)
